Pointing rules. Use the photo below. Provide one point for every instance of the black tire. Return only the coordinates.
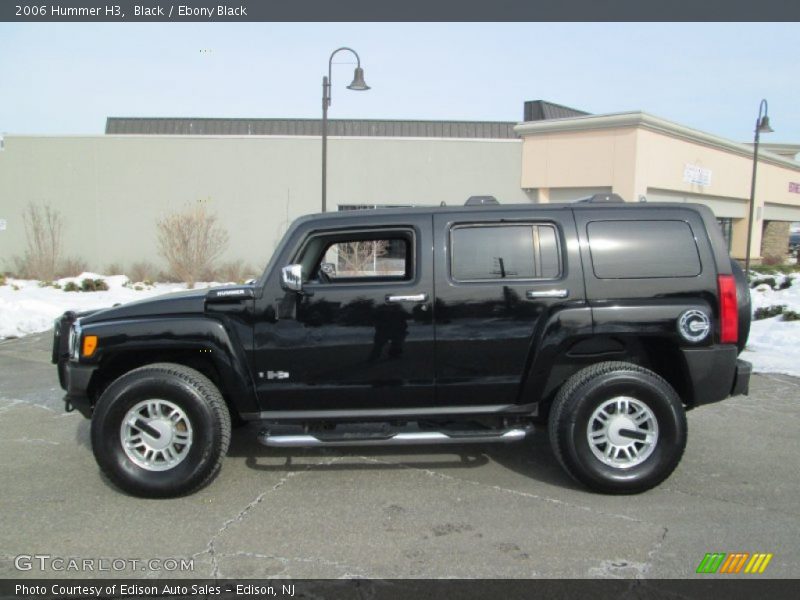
(586, 391)
(745, 305)
(203, 406)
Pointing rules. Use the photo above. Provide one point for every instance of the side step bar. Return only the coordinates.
(396, 439)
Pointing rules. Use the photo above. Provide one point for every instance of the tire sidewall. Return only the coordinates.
(123, 395)
(670, 418)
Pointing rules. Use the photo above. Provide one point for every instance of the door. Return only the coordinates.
(499, 276)
(360, 334)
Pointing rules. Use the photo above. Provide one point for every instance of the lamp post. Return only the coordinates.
(762, 126)
(358, 85)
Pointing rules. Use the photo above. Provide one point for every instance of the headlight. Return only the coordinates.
(75, 340)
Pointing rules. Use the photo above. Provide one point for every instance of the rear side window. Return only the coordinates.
(643, 249)
(489, 252)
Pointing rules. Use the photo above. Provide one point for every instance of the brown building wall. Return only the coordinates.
(775, 239)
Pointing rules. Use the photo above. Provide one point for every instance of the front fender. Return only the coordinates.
(208, 338)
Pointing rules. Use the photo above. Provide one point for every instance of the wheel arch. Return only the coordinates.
(201, 344)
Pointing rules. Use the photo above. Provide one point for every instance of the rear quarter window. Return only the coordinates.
(643, 249)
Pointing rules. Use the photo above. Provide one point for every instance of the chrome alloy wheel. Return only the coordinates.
(156, 435)
(622, 432)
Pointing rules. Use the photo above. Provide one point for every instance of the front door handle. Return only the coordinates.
(408, 298)
(535, 294)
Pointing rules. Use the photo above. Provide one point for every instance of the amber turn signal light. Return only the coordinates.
(89, 345)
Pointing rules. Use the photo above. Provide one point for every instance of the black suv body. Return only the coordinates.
(605, 320)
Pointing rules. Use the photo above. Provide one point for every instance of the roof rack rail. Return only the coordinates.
(601, 198)
(479, 200)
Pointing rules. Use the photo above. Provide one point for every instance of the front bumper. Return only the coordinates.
(716, 373)
(75, 379)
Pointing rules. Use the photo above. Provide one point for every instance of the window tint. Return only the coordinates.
(354, 258)
(481, 252)
(642, 249)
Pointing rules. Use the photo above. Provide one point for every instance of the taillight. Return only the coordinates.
(728, 309)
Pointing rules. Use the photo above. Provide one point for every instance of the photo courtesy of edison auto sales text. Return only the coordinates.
(114, 589)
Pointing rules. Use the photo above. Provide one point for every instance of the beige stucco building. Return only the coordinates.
(645, 158)
(260, 174)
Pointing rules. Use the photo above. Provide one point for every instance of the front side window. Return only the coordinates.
(358, 257)
(489, 252)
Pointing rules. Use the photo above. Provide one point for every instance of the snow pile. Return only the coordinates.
(774, 344)
(26, 307)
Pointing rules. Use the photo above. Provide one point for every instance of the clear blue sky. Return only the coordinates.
(67, 78)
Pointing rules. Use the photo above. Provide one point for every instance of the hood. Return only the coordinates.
(175, 303)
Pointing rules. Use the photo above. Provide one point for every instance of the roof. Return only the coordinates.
(366, 214)
(653, 123)
(311, 127)
(541, 110)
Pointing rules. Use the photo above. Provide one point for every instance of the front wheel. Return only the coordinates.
(618, 428)
(160, 431)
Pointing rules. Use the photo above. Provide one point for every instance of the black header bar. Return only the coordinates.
(701, 587)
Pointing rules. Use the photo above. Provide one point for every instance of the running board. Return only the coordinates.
(396, 439)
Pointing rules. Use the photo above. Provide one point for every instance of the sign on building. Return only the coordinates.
(794, 187)
(696, 174)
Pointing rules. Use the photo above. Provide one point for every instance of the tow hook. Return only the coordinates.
(68, 406)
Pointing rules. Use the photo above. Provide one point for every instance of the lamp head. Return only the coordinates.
(358, 84)
(763, 125)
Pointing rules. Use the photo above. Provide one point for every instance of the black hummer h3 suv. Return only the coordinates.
(605, 320)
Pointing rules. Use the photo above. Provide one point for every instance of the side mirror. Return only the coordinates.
(292, 278)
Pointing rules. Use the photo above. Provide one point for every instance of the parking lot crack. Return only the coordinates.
(555, 501)
(285, 561)
(735, 503)
(211, 549)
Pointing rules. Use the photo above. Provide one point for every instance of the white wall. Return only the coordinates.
(112, 189)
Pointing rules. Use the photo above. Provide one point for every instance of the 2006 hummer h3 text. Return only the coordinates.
(605, 320)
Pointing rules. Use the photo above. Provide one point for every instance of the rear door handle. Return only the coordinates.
(408, 298)
(534, 294)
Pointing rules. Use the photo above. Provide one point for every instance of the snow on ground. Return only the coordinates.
(773, 346)
(31, 308)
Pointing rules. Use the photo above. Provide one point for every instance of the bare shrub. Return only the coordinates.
(234, 271)
(191, 241)
(143, 271)
(44, 226)
(168, 277)
(71, 267)
(114, 268)
(359, 257)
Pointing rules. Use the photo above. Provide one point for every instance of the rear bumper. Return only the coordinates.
(741, 385)
(716, 373)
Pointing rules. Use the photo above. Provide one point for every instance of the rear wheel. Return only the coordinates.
(618, 428)
(161, 430)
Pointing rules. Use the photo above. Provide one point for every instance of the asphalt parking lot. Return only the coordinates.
(471, 511)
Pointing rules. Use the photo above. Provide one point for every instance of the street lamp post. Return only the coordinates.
(358, 84)
(762, 126)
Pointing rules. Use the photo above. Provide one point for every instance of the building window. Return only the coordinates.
(726, 225)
